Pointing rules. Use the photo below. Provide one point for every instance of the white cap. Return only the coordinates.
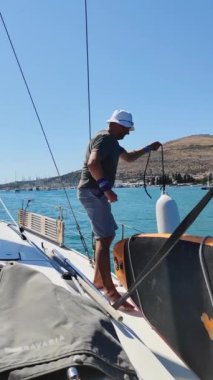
(123, 118)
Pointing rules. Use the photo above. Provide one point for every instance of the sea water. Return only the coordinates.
(134, 212)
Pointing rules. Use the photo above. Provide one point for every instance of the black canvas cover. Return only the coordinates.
(45, 328)
(174, 297)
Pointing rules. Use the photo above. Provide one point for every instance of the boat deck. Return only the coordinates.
(157, 358)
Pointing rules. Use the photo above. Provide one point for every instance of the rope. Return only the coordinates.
(47, 142)
(144, 176)
(163, 173)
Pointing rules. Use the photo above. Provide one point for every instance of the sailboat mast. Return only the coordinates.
(88, 72)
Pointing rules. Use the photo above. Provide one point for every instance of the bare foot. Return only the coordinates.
(114, 296)
(98, 285)
(126, 306)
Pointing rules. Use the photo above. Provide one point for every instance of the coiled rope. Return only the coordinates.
(163, 173)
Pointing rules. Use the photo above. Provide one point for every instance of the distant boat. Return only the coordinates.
(207, 186)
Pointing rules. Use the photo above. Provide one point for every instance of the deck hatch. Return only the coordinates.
(52, 229)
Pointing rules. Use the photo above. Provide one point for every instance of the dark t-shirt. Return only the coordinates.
(109, 151)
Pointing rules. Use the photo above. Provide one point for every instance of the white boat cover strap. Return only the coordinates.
(45, 328)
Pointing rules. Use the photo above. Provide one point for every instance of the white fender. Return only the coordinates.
(167, 214)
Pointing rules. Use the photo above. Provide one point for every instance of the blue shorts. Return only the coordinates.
(99, 211)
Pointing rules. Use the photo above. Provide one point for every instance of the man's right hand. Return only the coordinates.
(111, 196)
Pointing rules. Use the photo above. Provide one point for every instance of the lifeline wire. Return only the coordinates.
(204, 269)
(44, 134)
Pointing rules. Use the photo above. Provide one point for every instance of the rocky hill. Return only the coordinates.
(192, 155)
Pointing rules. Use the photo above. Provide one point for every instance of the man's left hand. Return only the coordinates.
(155, 145)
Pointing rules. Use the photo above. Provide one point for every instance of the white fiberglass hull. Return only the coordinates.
(150, 355)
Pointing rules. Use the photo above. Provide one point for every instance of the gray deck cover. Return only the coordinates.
(45, 328)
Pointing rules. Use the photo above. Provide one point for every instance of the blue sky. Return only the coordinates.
(153, 58)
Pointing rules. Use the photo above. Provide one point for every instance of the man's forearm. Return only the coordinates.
(96, 172)
(134, 155)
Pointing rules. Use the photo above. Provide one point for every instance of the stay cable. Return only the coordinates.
(47, 142)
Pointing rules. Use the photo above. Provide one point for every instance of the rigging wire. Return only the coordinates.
(88, 71)
(8, 213)
(47, 142)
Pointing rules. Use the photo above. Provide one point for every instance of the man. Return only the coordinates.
(95, 191)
